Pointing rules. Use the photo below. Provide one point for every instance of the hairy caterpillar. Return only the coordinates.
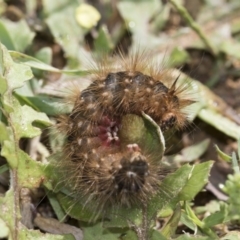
(100, 164)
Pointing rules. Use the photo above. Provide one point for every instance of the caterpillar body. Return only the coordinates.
(100, 163)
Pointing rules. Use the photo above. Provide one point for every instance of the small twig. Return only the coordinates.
(190, 21)
(27, 208)
(53, 226)
(145, 225)
(142, 230)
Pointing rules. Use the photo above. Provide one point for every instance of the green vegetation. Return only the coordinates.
(44, 48)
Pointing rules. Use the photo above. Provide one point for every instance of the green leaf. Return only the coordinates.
(23, 118)
(138, 20)
(28, 234)
(129, 235)
(15, 74)
(75, 208)
(154, 140)
(223, 155)
(238, 151)
(30, 172)
(50, 105)
(231, 48)
(196, 181)
(220, 122)
(187, 236)
(120, 217)
(4, 132)
(209, 107)
(19, 32)
(25, 172)
(217, 217)
(170, 189)
(65, 29)
(4, 230)
(193, 152)
(103, 43)
(192, 216)
(179, 56)
(188, 222)
(44, 55)
(169, 228)
(50, 7)
(8, 212)
(98, 232)
(145, 132)
(35, 63)
(3, 84)
(56, 206)
(5, 37)
(235, 164)
(156, 235)
(233, 235)
(3, 168)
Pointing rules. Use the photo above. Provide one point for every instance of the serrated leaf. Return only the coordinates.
(15, 74)
(4, 132)
(170, 189)
(30, 173)
(3, 85)
(197, 179)
(23, 118)
(25, 172)
(8, 212)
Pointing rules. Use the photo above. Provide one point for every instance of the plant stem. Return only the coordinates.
(190, 21)
(143, 229)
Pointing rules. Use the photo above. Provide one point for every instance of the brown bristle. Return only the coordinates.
(98, 163)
